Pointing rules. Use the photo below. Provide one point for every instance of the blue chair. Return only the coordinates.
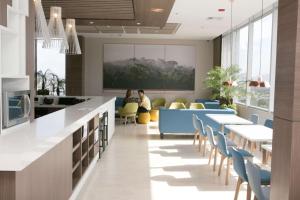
(254, 179)
(240, 169)
(269, 123)
(202, 135)
(197, 128)
(254, 118)
(213, 144)
(225, 153)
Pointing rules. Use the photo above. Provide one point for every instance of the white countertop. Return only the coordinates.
(26, 143)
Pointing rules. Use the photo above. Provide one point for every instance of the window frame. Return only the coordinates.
(250, 23)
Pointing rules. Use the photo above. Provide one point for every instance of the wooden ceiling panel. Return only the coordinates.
(114, 12)
(87, 29)
(131, 29)
(93, 9)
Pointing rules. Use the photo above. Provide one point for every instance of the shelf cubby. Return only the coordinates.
(85, 163)
(76, 175)
(76, 156)
(77, 137)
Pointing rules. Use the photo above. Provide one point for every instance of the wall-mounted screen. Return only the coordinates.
(153, 67)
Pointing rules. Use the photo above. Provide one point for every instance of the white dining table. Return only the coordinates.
(252, 133)
(228, 119)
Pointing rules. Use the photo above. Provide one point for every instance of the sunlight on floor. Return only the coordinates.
(138, 165)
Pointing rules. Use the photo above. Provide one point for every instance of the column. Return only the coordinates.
(286, 142)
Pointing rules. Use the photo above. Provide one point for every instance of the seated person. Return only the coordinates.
(144, 103)
(128, 98)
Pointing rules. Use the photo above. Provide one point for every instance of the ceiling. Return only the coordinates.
(113, 12)
(179, 19)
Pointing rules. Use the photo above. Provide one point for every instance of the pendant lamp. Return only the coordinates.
(72, 38)
(41, 31)
(230, 83)
(56, 30)
(260, 82)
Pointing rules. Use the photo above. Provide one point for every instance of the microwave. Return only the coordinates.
(16, 107)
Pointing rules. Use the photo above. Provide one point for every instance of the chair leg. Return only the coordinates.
(134, 118)
(237, 189)
(221, 165)
(125, 120)
(204, 149)
(227, 171)
(248, 192)
(215, 158)
(195, 137)
(200, 142)
(210, 154)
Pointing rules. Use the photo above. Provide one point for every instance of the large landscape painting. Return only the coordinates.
(156, 67)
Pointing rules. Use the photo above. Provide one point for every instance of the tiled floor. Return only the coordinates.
(140, 166)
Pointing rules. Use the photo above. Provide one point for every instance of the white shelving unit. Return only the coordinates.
(13, 50)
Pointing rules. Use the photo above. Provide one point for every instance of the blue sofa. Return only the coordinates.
(209, 104)
(180, 121)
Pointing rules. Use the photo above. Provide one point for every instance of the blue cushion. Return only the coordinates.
(265, 176)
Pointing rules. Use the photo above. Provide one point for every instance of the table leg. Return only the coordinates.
(264, 157)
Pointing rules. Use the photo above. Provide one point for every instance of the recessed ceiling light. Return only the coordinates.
(138, 23)
(108, 26)
(91, 22)
(157, 10)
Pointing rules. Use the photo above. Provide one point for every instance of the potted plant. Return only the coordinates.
(223, 84)
(42, 80)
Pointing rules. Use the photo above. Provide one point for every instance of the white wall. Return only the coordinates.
(246, 112)
(93, 61)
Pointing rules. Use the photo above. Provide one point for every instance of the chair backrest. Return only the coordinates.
(254, 118)
(177, 105)
(158, 102)
(210, 136)
(198, 124)
(130, 108)
(239, 164)
(197, 106)
(254, 179)
(222, 144)
(269, 123)
(181, 100)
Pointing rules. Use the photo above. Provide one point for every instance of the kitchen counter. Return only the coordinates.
(23, 145)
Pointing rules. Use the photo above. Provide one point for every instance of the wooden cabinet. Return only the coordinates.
(54, 175)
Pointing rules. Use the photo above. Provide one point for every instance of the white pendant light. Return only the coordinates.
(56, 30)
(72, 38)
(42, 31)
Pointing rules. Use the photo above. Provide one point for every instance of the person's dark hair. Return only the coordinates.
(141, 91)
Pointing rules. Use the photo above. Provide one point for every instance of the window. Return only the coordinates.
(254, 53)
(242, 62)
(50, 65)
(261, 61)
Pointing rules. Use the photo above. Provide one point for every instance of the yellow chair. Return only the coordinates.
(158, 102)
(128, 111)
(154, 115)
(177, 105)
(197, 106)
(144, 118)
(181, 100)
